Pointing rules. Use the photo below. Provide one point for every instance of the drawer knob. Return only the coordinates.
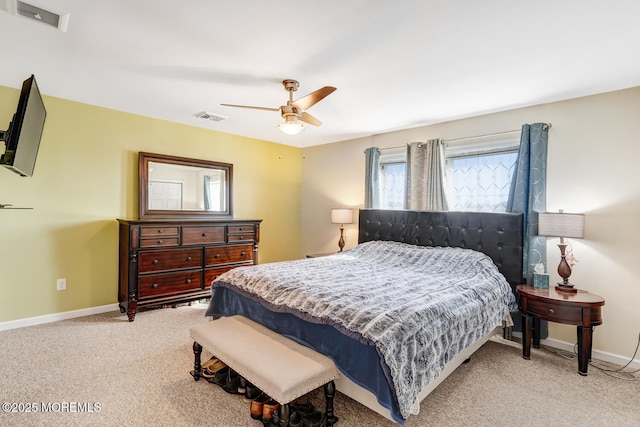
(188, 258)
(161, 231)
(154, 286)
(239, 228)
(155, 261)
(242, 254)
(160, 242)
(188, 281)
(551, 310)
(217, 256)
(241, 237)
(204, 234)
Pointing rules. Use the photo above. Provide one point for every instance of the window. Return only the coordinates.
(393, 166)
(480, 182)
(478, 175)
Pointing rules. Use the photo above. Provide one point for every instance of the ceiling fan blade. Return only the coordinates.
(308, 118)
(307, 101)
(249, 106)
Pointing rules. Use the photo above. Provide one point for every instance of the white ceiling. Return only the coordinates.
(396, 64)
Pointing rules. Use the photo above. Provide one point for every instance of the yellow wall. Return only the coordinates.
(86, 176)
(593, 167)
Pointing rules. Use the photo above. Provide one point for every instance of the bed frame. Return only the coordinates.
(499, 235)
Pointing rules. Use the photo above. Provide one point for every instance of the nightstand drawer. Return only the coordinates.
(555, 312)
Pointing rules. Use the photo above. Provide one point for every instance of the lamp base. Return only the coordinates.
(566, 287)
(564, 271)
(341, 241)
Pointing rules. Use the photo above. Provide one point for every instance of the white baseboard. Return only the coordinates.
(595, 354)
(49, 318)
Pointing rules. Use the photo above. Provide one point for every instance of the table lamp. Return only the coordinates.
(562, 225)
(341, 216)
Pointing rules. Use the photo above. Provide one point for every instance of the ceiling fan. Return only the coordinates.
(294, 110)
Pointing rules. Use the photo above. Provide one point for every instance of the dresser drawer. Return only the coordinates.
(157, 231)
(234, 238)
(246, 228)
(212, 274)
(228, 254)
(152, 261)
(159, 242)
(193, 235)
(159, 284)
(555, 313)
(241, 233)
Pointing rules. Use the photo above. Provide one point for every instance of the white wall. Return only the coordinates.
(594, 151)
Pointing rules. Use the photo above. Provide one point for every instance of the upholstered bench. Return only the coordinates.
(279, 366)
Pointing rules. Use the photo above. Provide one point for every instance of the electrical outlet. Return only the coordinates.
(61, 284)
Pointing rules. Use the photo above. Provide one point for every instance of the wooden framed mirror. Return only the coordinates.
(178, 187)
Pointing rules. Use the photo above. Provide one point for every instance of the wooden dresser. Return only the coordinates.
(170, 261)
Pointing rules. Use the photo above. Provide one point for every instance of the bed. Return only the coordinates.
(417, 296)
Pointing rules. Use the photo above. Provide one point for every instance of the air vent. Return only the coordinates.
(211, 116)
(54, 19)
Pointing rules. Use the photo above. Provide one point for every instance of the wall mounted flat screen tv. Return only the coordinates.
(22, 139)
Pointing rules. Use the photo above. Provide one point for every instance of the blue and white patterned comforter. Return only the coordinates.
(420, 306)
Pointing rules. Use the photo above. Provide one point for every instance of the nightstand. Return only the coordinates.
(581, 308)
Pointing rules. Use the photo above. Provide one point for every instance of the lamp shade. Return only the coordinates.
(561, 225)
(341, 216)
(290, 128)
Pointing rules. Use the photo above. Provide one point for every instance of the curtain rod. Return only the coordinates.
(506, 132)
(545, 127)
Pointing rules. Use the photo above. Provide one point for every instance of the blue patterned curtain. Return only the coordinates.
(528, 195)
(371, 178)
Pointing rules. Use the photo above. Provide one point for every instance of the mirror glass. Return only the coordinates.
(179, 187)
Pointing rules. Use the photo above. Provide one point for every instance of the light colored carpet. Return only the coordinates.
(138, 373)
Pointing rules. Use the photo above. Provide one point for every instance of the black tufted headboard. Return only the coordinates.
(499, 235)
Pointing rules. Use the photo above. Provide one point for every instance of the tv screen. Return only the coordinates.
(22, 139)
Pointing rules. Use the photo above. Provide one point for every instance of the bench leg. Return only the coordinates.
(197, 367)
(329, 394)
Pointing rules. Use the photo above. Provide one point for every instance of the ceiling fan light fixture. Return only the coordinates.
(290, 128)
